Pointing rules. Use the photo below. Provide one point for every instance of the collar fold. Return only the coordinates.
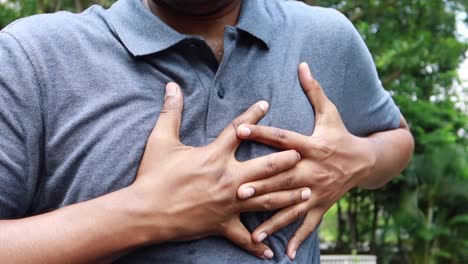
(255, 20)
(143, 33)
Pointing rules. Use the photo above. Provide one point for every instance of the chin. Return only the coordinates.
(194, 7)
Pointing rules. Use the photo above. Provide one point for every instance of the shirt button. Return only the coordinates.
(221, 92)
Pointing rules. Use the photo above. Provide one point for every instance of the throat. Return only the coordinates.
(217, 46)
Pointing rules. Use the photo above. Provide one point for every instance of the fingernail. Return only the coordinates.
(268, 254)
(171, 89)
(244, 131)
(248, 192)
(261, 237)
(294, 255)
(305, 194)
(298, 156)
(263, 105)
(306, 66)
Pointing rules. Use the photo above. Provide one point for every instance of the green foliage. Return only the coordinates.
(11, 10)
(421, 217)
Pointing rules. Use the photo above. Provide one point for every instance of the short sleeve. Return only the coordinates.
(20, 129)
(366, 107)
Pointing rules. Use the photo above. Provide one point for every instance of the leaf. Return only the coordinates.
(459, 219)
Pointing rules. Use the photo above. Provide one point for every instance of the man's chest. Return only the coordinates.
(97, 126)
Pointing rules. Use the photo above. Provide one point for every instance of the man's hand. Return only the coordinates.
(193, 190)
(180, 193)
(333, 162)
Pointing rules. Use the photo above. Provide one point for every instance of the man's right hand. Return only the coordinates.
(192, 192)
(180, 193)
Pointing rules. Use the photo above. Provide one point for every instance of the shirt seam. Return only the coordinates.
(41, 84)
(345, 75)
(207, 101)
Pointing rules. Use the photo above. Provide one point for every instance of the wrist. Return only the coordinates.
(368, 151)
(148, 223)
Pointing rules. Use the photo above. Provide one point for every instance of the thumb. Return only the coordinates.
(168, 124)
(313, 90)
(325, 111)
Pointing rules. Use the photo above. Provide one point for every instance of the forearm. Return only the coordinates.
(91, 231)
(393, 150)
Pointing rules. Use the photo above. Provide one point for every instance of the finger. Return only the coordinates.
(312, 89)
(168, 124)
(239, 235)
(267, 166)
(308, 226)
(276, 200)
(286, 180)
(280, 220)
(228, 138)
(272, 136)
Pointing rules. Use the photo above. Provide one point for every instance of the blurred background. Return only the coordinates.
(420, 49)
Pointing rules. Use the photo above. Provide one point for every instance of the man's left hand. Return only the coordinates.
(333, 161)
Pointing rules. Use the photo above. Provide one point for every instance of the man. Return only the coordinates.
(79, 97)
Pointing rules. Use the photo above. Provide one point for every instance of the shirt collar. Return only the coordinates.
(255, 20)
(143, 33)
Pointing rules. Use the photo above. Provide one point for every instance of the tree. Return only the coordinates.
(419, 217)
(11, 10)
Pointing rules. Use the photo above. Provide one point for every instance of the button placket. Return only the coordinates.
(216, 114)
(221, 91)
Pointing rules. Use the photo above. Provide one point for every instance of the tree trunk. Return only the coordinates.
(78, 6)
(352, 222)
(375, 220)
(339, 248)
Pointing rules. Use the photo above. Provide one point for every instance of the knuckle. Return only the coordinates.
(210, 157)
(169, 106)
(270, 165)
(309, 145)
(300, 238)
(268, 203)
(280, 135)
(288, 180)
(300, 214)
(259, 250)
(226, 180)
(295, 197)
(292, 197)
(308, 90)
(322, 148)
(324, 177)
(339, 176)
(235, 124)
(246, 243)
(315, 84)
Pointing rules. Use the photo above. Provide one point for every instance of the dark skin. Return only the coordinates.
(362, 162)
(184, 193)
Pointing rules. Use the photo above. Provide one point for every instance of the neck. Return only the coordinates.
(209, 25)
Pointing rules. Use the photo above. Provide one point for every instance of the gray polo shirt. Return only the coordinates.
(80, 93)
